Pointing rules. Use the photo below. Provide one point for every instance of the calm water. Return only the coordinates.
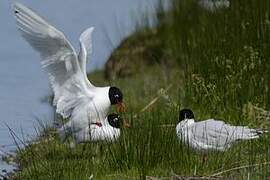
(23, 84)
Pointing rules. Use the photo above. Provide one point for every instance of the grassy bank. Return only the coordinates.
(218, 65)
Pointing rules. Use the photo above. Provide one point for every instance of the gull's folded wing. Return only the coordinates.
(220, 133)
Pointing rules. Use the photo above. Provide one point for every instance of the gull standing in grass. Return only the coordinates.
(75, 97)
(108, 130)
(211, 134)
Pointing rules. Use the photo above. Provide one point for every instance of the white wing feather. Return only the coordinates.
(58, 58)
(214, 134)
(218, 135)
(85, 51)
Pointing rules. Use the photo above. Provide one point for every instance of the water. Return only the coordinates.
(23, 84)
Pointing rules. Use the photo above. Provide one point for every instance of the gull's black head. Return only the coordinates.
(115, 95)
(116, 98)
(185, 114)
(115, 120)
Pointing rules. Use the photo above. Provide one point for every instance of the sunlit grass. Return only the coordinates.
(146, 149)
(219, 67)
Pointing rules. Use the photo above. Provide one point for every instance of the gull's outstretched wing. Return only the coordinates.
(58, 58)
(85, 51)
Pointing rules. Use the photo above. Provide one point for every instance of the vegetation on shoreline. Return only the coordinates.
(217, 63)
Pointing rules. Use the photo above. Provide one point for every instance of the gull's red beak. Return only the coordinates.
(120, 107)
(97, 124)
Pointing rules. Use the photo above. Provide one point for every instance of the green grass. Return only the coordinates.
(218, 65)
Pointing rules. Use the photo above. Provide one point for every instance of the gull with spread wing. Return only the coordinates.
(75, 97)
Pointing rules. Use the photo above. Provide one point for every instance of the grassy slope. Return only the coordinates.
(147, 149)
(218, 64)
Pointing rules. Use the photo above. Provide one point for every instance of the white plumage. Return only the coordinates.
(211, 134)
(92, 133)
(74, 95)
